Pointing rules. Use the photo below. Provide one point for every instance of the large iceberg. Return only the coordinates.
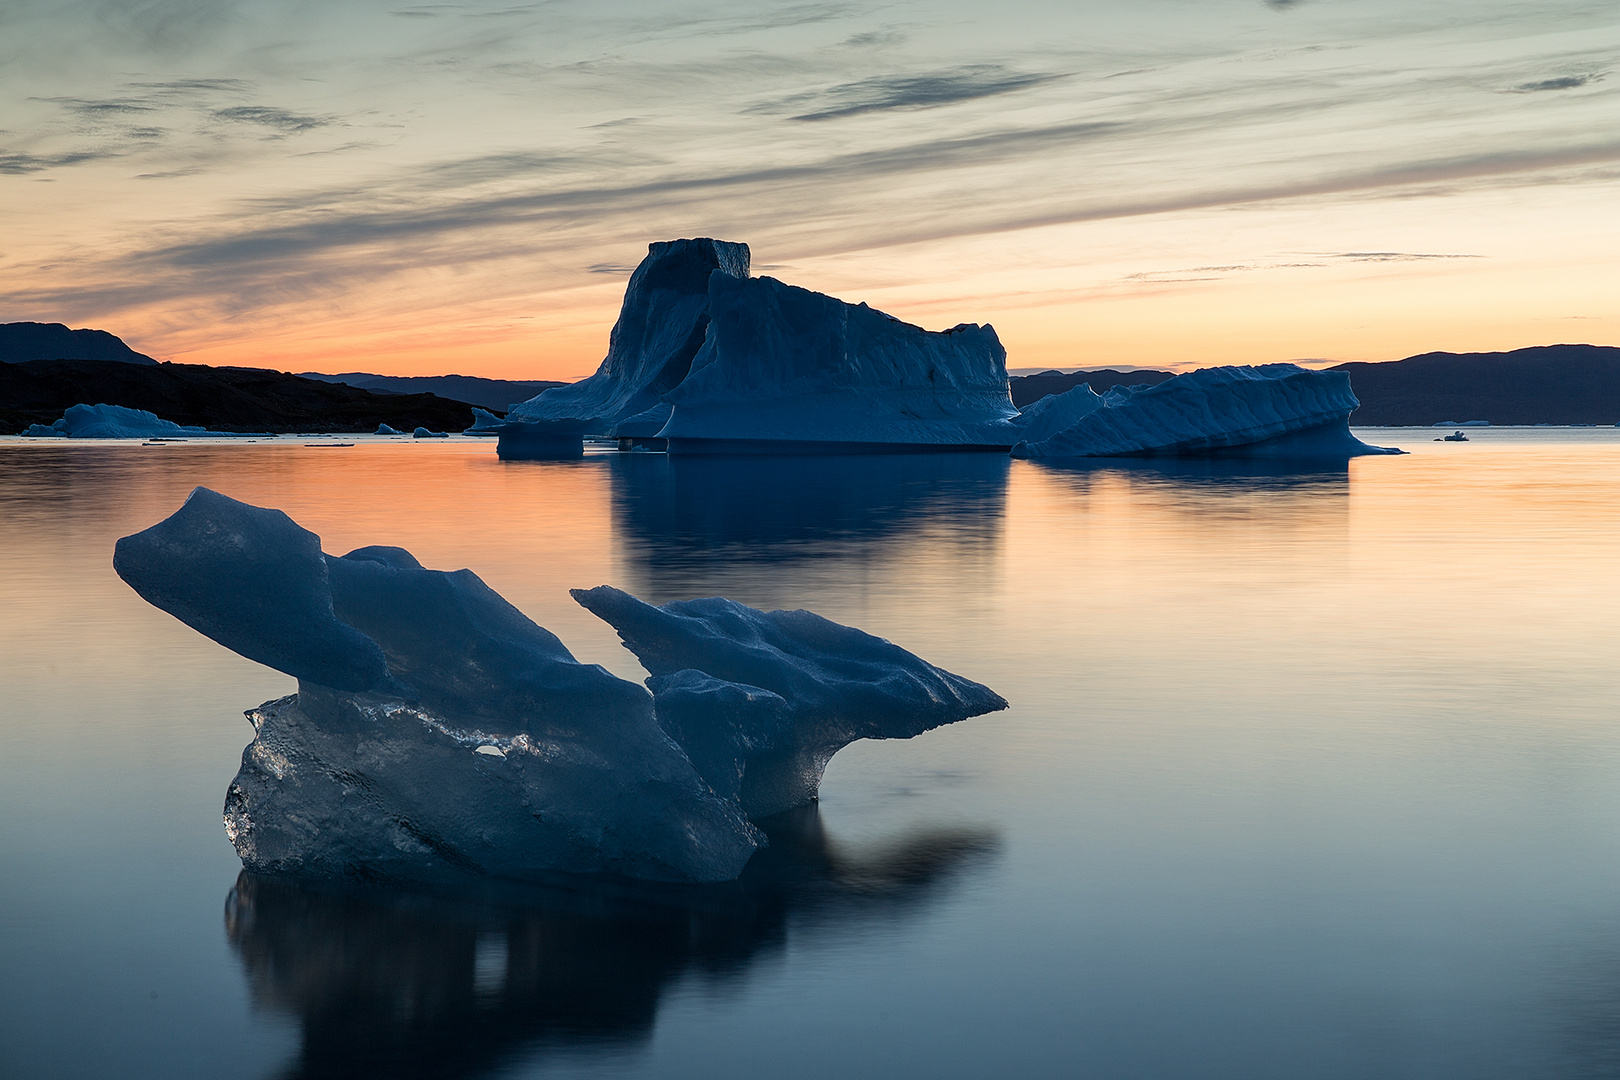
(712, 360)
(787, 369)
(438, 730)
(662, 324)
(1273, 410)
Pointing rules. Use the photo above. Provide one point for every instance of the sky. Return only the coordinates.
(348, 185)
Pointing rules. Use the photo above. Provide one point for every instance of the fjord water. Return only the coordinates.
(1307, 773)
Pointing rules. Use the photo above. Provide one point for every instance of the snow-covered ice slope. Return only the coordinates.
(1274, 410)
(784, 368)
(438, 730)
(661, 326)
(764, 699)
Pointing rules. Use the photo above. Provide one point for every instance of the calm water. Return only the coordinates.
(1306, 775)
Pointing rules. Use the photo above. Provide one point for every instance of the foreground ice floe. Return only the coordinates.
(1274, 410)
(437, 729)
(711, 359)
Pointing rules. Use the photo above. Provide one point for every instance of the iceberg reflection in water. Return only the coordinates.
(681, 521)
(412, 984)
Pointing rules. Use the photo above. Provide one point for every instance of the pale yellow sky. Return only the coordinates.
(464, 186)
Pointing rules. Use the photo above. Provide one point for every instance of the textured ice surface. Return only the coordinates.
(1280, 410)
(484, 420)
(778, 692)
(783, 365)
(385, 429)
(437, 729)
(1043, 418)
(115, 422)
(661, 325)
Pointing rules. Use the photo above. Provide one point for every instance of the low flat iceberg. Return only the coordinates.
(1273, 410)
(439, 731)
(119, 422)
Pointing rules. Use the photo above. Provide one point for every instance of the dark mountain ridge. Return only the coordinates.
(221, 399)
(23, 341)
(498, 395)
(1544, 384)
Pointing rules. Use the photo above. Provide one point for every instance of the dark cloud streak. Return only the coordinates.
(905, 92)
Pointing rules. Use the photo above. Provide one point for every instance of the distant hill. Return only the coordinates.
(496, 394)
(1028, 388)
(23, 341)
(222, 399)
(1546, 384)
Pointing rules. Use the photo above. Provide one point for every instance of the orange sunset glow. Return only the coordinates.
(465, 187)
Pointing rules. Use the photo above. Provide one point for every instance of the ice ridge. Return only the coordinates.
(1272, 410)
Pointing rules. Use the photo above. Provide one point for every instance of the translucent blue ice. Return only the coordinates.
(438, 730)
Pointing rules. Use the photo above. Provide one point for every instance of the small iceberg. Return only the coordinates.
(384, 429)
(118, 422)
(1274, 410)
(427, 433)
(438, 731)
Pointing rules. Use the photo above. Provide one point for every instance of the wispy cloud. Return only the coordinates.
(281, 120)
(17, 164)
(890, 92)
(1563, 82)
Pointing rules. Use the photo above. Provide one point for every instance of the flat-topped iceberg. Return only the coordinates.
(1274, 410)
(710, 359)
(438, 730)
(787, 369)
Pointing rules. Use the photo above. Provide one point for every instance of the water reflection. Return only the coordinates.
(690, 522)
(1210, 473)
(390, 984)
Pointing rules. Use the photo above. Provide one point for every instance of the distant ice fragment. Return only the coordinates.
(118, 422)
(384, 429)
(1275, 410)
(800, 688)
(484, 420)
(438, 730)
(429, 433)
